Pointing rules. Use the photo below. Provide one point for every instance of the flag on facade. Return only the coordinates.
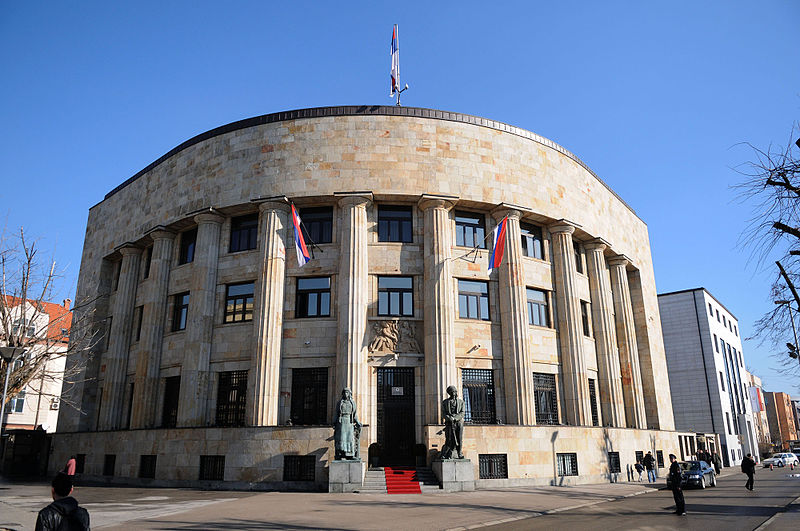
(498, 244)
(303, 256)
(395, 63)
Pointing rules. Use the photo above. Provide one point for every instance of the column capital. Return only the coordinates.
(277, 202)
(129, 249)
(560, 227)
(507, 209)
(160, 232)
(428, 201)
(353, 198)
(619, 260)
(598, 244)
(209, 216)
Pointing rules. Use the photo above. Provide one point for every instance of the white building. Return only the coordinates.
(707, 371)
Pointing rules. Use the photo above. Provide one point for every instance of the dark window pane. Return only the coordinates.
(188, 241)
(395, 296)
(313, 297)
(309, 396)
(317, 224)
(470, 230)
(394, 224)
(243, 233)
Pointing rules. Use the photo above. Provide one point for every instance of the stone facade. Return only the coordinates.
(598, 335)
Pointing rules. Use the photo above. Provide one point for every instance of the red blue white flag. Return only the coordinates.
(303, 256)
(498, 244)
(395, 63)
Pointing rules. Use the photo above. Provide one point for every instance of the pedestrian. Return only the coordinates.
(69, 468)
(639, 468)
(650, 464)
(715, 458)
(64, 512)
(675, 478)
(749, 468)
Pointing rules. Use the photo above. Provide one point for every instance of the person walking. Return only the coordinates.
(64, 512)
(650, 464)
(749, 468)
(717, 461)
(675, 478)
(639, 468)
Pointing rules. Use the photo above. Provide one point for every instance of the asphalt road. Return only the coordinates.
(729, 507)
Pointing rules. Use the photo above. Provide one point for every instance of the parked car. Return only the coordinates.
(781, 459)
(695, 474)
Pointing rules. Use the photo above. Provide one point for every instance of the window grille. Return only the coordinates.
(239, 302)
(212, 468)
(231, 397)
(172, 389)
(531, 241)
(470, 230)
(109, 462)
(188, 243)
(180, 311)
(567, 464)
(492, 466)
(299, 467)
(537, 307)
(80, 463)
(395, 296)
(394, 224)
(593, 403)
(478, 390)
(147, 466)
(313, 297)
(244, 231)
(660, 458)
(614, 466)
(545, 400)
(309, 396)
(640, 456)
(473, 299)
(317, 224)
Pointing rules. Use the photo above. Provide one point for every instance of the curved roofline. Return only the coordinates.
(365, 110)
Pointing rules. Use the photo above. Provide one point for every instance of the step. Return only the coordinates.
(402, 480)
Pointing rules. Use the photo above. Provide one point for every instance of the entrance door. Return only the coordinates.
(396, 430)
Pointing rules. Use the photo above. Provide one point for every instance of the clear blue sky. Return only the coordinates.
(654, 96)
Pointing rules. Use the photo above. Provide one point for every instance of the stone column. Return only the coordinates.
(517, 368)
(120, 340)
(192, 407)
(612, 403)
(154, 312)
(628, 349)
(353, 299)
(577, 411)
(264, 377)
(439, 300)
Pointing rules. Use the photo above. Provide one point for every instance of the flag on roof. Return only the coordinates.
(395, 63)
(498, 244)
(303, 256)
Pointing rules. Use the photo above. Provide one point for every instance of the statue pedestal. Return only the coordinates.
(455, 475)
(345, 475)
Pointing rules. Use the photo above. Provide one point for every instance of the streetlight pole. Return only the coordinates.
(8, 354)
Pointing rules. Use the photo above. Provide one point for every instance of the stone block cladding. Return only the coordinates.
(598, 332)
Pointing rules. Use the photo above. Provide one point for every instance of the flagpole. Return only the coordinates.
(395, 70)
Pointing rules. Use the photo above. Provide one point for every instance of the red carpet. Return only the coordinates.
(401, 480)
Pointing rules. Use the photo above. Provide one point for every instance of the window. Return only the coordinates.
(212, 468)
(395, 296)
(723, 320)
(733, 454)
(172, 389)
(739, 451)
(180, 311)
(593, 403)
(137, 322)
(130, 406)
(728, 422)
(309, 396)
(239, 302)
(470, 230)
(148, 255)
(614, 466)
(108, 332)
(721, 381)
(109, 463)
(317, 224)
(532, 241)
(147, 466)
(188, 242)
(717, 315)
(640, 456)
(231, 396)
(394, 224)
(313, 297)
(537, 308)
(545, 401)
(567, 464)
(585, 312)
(80, 463)
(660, 458)
(244, 231)
(478, 391)
(716, 345)
(578, 257)
(710, 310)
(736, 330)
(117, 271)
(492, 466)
(299, 467)
(16, 404)
(473, 299)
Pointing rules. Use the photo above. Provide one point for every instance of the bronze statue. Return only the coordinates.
(347, 428)
(453, 414)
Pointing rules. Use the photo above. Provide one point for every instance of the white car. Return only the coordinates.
(782, 459)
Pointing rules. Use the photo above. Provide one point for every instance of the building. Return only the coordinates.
(759, 409)
(706, 371)
(780, 413)
(224, 357)
(46, 327)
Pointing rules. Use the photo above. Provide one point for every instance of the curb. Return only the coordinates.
(792, 506)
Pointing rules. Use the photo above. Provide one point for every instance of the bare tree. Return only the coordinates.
(29, 320)
(772, 187)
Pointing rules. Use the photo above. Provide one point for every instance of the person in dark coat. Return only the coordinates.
(64, 512)
(675, 478)
(749, 468)
(716, 460)
(649, 463)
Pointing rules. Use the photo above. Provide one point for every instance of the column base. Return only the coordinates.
(454, 475)
(345, 475)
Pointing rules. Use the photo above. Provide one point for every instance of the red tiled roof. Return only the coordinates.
(60, 317)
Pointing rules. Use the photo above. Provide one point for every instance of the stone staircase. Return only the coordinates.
(427, 480)
(375, 481)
